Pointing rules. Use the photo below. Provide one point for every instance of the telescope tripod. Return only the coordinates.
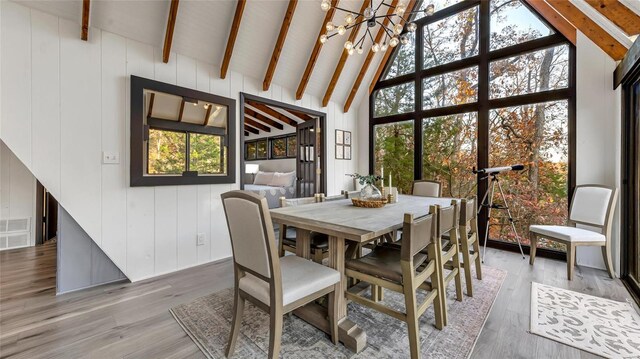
(487, 201)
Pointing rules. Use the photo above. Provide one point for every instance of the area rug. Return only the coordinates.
(207, 321)
(600, 326)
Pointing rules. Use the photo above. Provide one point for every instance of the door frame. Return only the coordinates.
(322, 116)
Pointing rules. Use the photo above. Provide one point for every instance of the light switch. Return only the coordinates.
(110, 157)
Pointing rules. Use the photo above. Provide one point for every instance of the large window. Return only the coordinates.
(494, 86)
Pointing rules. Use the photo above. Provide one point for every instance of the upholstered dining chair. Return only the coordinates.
(591, 206)
(427, 188)
(275, 285)
(404, 271)
(469, 241)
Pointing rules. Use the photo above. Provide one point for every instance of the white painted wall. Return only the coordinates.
(69, 101)
(17, 190)
(597, 130)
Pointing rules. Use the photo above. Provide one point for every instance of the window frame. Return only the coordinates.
(139, 134)
(484, 104)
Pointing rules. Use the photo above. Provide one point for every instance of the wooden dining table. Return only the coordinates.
(346, 226)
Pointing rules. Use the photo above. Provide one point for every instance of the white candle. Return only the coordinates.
(382, 171)
(390, 184)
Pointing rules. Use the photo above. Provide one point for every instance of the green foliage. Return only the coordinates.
(365, 179)
(167, 153)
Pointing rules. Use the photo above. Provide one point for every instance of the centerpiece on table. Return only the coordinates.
(370, 195)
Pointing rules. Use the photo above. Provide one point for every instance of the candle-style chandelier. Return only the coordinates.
(393, 29)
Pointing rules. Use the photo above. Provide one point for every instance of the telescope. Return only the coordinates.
(493, 170)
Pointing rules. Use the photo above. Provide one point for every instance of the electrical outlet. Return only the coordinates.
(110, 157)
(200, 239)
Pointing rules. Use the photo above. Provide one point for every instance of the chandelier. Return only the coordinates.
(390, 21)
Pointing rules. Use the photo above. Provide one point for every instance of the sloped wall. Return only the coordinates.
(65, 101)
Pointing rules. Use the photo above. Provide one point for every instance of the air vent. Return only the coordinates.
(15, 233)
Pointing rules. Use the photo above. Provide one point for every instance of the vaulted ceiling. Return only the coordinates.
(277, 41)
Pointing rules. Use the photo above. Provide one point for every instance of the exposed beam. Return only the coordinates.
(264, 119)
(316, 51)
(181, 110)
(151, 100)
(258, 125)
(590, 28)
(246, 133)
(273, 113)
(275, 56)
(618, 14)
(629, 64)
(343, 59)
(235, 26)
(554, 18)
(251, 129)
(367, 61)
(386, 56)
(300, 114)
(207, 115)
(85, 19)
(168, 36)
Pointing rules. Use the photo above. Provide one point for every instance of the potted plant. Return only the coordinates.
(369, 190)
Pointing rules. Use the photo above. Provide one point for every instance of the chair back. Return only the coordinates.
(427, 188)
(294, 202)
(252, 236)
(468, 210)
(447, 218)
(593, 205)
(418, 233)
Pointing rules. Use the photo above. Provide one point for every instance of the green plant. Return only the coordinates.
(368, 179)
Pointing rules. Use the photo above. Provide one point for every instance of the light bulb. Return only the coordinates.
(195, 103)
(404, 40)
(325, 5)
(412, 26)
(348, 45)
(350, 51)
(369, 13)
(341, 30)
(430, 9)
(323, 38)
(360, 50)
(394, 42)
(349, 19)
(384, 47)
(330, 26)
(397, 29)
(375, 48)
(400, 9)
(206, 106)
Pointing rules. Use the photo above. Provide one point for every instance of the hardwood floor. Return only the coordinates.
(133, 321)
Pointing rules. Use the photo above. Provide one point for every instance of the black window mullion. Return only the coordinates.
(417, 123)
(483, 108)
(188, 149)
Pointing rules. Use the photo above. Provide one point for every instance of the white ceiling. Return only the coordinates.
(202, 29)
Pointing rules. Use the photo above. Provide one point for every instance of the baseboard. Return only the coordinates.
(119, 280)
(155, 276)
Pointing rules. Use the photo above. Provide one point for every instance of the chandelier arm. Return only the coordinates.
(370, 36)
(355, 24)
(386, 31)
(349, 11)
(361, 41)
(390, 20)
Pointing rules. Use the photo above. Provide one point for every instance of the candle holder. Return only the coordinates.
(391, 198)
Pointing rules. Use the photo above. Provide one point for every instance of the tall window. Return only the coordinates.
(481, 84)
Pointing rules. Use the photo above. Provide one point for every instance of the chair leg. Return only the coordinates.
(238, 309)
(534, 244)
(476, 250)
(437, 283)
(317, 256)
(333, 314)
(275, 332)
(466, 258)
(606, 255)
(282, 233)
(571, 260)
(412, 320)
(456, 267)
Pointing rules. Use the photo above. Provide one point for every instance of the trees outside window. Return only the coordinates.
(494, 86)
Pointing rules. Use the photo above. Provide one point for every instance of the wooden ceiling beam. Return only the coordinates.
(619, 14)
(264, 119)
(343, 59)
(251, 129)
(84, 35)
(367, 61)
(386, 56)
(256, 124)
(554, 18)
(590, 28)
(207, 115)
(315, 53)
(277, 50)
(168, 36)
(246, 133)
(151, 100)
(233, 34)
(300, 114)
(181, 110)
(273, 113)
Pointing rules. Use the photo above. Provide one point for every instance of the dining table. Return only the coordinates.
(348, 227)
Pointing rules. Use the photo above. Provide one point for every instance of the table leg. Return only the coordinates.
(303, 243)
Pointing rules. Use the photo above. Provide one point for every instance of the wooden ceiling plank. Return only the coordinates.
(171, 25)
(277, 50)
(367, 62)
(251, 129)
(300, 114)
(181, 110)
(273, 113)
(207, 115)
(151, 100)
(386, 57)
(343, 59)
(315, 53)
(233, 34)
(590, 28)
(256, 124)
(84, 35)
(619, 14)
(264, 119)
(554, 18)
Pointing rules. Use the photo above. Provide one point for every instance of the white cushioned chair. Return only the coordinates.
(276, 285)
(426, 188)
(592, 206)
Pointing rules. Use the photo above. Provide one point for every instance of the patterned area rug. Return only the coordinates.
(207, 321)
(600, 326)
